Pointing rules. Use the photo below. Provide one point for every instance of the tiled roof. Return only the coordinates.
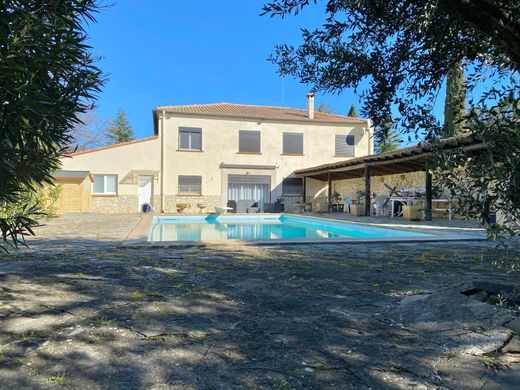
(110, 146)
(256, 112)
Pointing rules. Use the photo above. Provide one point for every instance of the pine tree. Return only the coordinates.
(120, 130)
(352, 112)
(324, 107)
(455, 102)
(387, 139)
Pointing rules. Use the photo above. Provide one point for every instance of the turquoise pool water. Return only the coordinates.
(262, 227)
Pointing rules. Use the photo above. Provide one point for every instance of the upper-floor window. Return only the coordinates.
(293, 143)
(248, 141)
(105, 184)
(292, 186)
(345, 145)
(190, 138)
(190, 185)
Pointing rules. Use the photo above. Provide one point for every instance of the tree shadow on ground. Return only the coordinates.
(299, 317)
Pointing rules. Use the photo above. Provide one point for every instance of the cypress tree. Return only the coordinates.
(455, 102)
(352, 112)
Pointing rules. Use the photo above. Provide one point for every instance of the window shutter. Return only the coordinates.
(292, 186)
(343, 148)
(249, 141)
(249, 179)
(190, 185)
(292, 143)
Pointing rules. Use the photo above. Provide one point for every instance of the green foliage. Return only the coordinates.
(324, 107)
(18, 218)
(119, 130)
(16, 225)
(403, 50)
(47, 78)
(485, 183)
(336, 197)
(387, 141)
(455, 102)
(352, 112)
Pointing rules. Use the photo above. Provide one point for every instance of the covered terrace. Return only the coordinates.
(412, 159)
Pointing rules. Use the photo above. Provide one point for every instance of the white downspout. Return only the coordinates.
(370, 137)
(161, 134)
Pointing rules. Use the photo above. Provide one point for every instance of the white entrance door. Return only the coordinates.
(144, 190)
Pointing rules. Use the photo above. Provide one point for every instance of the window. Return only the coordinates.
(190, 138)
(292, 143)
(248, 141)
(345, 145)
(105, 184)
(292, 186)
(190, 185)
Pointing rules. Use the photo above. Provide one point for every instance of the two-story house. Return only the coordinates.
(210, 154)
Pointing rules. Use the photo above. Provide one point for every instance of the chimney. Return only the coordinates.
(310, 105)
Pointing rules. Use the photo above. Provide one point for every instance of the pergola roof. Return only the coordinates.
(411, 159)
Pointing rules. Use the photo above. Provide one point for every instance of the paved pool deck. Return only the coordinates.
(88, 230)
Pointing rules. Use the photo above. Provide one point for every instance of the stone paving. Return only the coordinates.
(79, 311)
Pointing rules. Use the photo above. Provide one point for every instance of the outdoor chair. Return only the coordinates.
(233, 205)
(347, 202)
(379, 205)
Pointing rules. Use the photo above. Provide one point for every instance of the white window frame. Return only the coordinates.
(190, 131)
(105, 181)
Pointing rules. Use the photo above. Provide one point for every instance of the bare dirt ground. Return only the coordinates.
(301, 317)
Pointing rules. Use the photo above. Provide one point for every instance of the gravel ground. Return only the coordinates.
(99, 316)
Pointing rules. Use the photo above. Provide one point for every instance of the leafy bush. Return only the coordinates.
(19, 217)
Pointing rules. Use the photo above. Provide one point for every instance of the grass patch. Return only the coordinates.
(137, 295)
(282, 384)
(102, 336)
(34, 335)
(103, 320)
(491, 364)
(396, 368)
(58, 380)
(191, 335)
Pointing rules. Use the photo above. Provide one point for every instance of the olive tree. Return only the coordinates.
(402, 51)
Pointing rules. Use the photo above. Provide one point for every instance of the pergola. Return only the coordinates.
(411, 159)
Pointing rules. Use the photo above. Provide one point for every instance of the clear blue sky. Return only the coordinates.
(169, 52)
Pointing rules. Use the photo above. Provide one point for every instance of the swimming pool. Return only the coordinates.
(264, 227)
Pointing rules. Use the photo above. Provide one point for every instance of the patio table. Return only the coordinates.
(403, 199)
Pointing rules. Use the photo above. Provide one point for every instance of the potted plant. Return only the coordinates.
(358, 209)
(336, 201)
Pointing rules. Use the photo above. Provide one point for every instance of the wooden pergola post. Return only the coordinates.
(329, 193)
(368, 206)
(304, 192)
(428, 209)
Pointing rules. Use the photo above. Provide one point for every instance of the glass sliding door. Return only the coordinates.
(246, 190)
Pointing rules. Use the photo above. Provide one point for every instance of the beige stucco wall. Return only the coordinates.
(120, 161)
(220, 145)
(220, 137)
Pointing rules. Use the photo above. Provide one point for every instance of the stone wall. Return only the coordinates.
(171, 202)
(114, 204)
(350, 187)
